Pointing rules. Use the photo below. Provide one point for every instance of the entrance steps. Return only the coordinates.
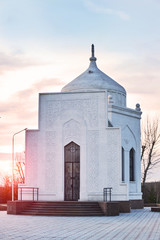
(44, 208)
(155, 209)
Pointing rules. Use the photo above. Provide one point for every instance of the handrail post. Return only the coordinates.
(21, 194)
(107, 191)
(37, 193)
(33, 192)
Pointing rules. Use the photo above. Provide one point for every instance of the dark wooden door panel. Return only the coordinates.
(68, 180)
(76, 183)
(72, 171)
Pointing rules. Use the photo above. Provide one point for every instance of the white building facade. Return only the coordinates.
(87, 140)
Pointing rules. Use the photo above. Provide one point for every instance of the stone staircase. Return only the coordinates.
(44, 208)
(155, 209)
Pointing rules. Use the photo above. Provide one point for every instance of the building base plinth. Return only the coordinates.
(137, 204)
(16, 207)
(124, 206)
(110, 208)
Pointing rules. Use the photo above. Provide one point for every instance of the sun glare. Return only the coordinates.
(6, 167)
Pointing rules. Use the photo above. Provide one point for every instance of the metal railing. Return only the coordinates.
(107, 194)
(34, 191)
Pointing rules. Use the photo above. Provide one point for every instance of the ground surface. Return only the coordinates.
(139, 225)
(3, 207)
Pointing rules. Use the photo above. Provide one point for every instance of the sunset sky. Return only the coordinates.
(44, 44)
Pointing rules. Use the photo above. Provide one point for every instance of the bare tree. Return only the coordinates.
(150, 154)
(6, 190)
(20, 164)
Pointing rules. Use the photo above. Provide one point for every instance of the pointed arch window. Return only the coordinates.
(132, 164)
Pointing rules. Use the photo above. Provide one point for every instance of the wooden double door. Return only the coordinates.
(72, 172)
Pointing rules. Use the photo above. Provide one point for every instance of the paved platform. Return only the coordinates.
(141, 224)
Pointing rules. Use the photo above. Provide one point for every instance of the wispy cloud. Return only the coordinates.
(22, 106)
(21, 101)
(12, 61)
(105, 10)
(142, 74)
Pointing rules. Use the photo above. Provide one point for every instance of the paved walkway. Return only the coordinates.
(139, 224)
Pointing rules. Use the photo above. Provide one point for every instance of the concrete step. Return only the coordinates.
(62, 214)
(60, 210)
(63, 209)
(155, 209)
(65, 203)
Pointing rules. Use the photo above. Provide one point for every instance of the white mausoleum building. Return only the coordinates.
(87, 140)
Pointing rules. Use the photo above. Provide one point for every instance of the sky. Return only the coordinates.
(44, 44)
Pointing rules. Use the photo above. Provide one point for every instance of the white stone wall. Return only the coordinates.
(129, 121)
(118, 98)
(106, 170)
(82, 118)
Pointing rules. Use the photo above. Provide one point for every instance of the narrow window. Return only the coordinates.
(122, 164)
(132, 170)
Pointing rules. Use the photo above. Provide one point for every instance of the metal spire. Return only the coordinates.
(92, 49)
(92, 58)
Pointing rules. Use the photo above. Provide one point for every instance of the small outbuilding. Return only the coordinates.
(87, 140)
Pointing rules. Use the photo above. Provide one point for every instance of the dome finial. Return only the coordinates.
(92, 58)
(92, 50)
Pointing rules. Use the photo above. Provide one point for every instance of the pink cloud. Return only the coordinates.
(21, 109)
(12, 61)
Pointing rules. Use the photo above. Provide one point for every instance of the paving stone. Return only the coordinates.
(140, 224)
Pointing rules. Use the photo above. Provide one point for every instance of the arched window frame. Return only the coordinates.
(132, 164)
(123, 166)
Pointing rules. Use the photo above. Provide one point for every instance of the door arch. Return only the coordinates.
(71, 172)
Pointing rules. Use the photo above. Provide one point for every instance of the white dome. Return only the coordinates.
(94, 79)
